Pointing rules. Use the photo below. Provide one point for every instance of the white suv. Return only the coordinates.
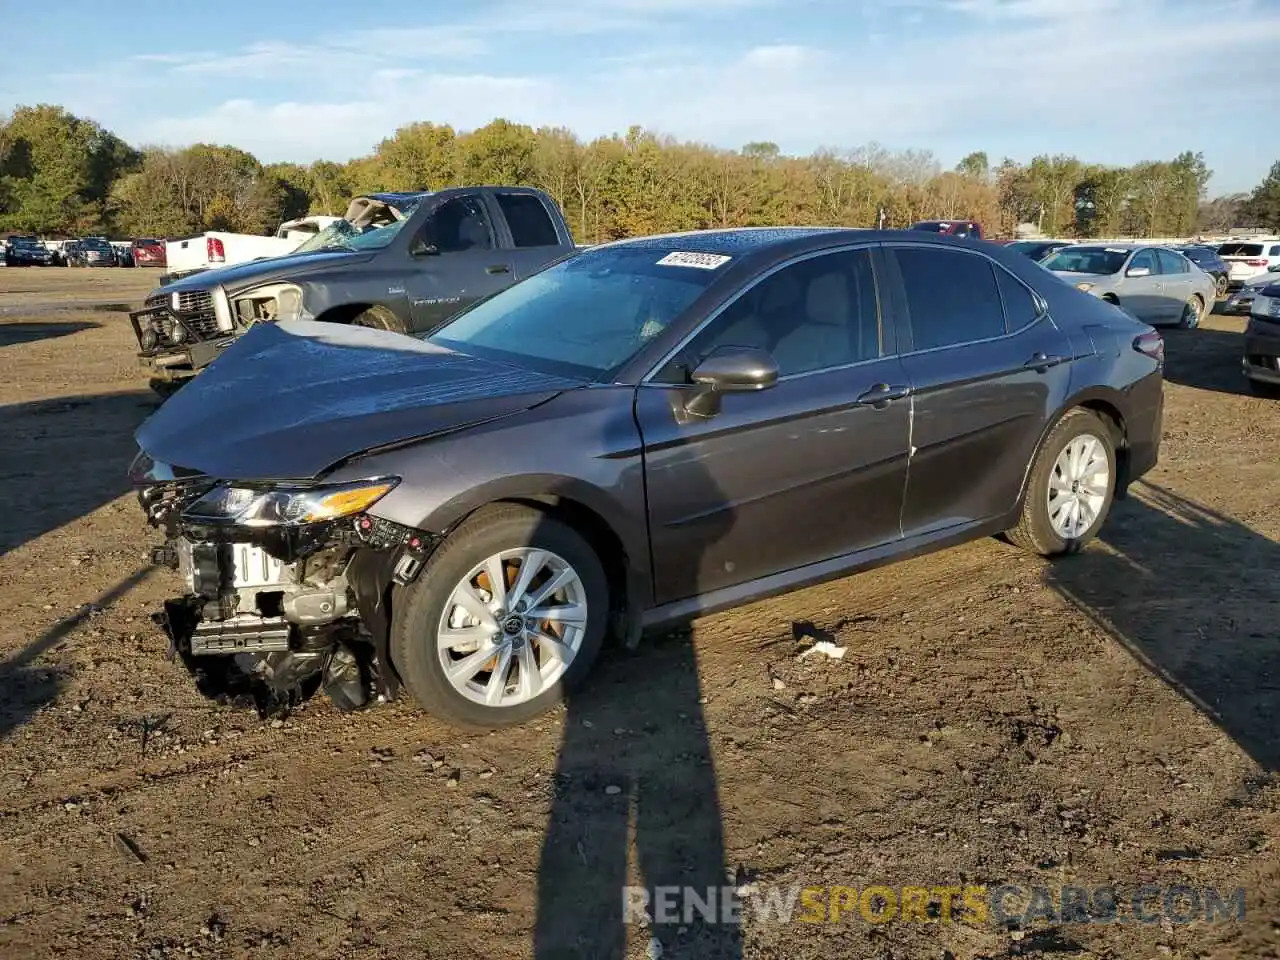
(1247, 259)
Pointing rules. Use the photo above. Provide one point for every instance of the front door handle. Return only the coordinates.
(882, 394)
(498, 268)
(1041, 362)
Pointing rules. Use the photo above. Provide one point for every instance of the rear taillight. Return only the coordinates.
(1256, 263)
(1151, 344)
(216, 252)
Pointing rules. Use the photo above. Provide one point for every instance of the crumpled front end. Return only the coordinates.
(285, 587)
(181, 332)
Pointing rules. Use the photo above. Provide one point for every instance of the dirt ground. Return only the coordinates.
(1109, 719)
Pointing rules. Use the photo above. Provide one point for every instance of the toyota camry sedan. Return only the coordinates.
(641, 433)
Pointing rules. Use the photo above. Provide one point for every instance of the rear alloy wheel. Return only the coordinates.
(1192, 311)
(507, 616)
(1070, 488)
(380, 318)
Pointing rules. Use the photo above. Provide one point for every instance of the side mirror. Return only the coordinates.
(1274, 268)
(729, 370)
(1138, 272)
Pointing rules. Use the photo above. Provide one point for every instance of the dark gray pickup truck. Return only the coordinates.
(397, 261)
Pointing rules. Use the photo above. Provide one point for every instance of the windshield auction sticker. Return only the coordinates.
(703, 261)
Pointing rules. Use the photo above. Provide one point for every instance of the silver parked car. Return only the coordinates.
(1155, 284)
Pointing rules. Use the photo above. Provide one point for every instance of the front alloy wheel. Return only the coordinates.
(1070, 488)
(512, 626)
(504, 620)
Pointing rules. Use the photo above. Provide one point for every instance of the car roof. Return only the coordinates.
(1124, 247)
(736, 240)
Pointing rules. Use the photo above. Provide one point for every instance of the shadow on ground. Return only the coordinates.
(27, 689)
(12, 334)
(628, 844)
(1205, 359)
(64, 458)
(1193, 595)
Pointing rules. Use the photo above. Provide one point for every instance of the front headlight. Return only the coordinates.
(1086, 287)
(287, 506)
(276, 302)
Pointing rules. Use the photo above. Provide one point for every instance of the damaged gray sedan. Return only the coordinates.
(642, 433)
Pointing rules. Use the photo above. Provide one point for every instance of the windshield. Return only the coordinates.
(584, 317)
(1100, 260)
(341, 235)
(931, 226)
(95, 245)
(344, 235)
(1240, 250)
(26, 242)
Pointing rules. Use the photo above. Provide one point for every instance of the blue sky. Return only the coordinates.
(1113, 81)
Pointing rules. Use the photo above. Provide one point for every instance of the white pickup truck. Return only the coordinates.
(206, 251)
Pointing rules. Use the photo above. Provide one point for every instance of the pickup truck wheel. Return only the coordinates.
(380, 318)
(1070, 487)
(506, 617)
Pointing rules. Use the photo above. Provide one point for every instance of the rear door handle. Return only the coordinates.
(498, 268)
(1040, 362)
(882, 394)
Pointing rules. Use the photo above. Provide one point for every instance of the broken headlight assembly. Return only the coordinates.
(274, 303)
(281, 506)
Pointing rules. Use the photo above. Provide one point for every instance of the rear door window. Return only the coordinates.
(1171, 263)
(528, 219)
(952, 297)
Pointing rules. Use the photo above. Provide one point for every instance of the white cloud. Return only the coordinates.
(1115, 75)
(781, 56)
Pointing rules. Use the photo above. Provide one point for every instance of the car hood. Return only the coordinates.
(1263, 280)
(244, 275)
(287, 401)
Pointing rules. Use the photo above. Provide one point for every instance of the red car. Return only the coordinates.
(148, 253)
(951, 228)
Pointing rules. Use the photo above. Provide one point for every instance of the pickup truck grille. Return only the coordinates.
(189, 301)
(195, 307)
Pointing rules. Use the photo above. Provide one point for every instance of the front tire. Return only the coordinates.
(482, 658)
(1070, 488)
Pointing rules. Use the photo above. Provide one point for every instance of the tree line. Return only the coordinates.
(63, 175)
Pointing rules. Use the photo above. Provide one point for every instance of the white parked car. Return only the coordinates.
(216, 248)
(1247, 259)
(1241, 302)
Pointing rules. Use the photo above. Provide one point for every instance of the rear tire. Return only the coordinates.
(431, 605)
(1075, 468)
(379, 318)
(1192, 312)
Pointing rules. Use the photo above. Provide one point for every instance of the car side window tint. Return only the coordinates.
(460, 224)
(1020, 309)
(813, 315)
(1275, 251)
(528, 219)
(1147, 259)
(1170, 262)
(952, 297)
